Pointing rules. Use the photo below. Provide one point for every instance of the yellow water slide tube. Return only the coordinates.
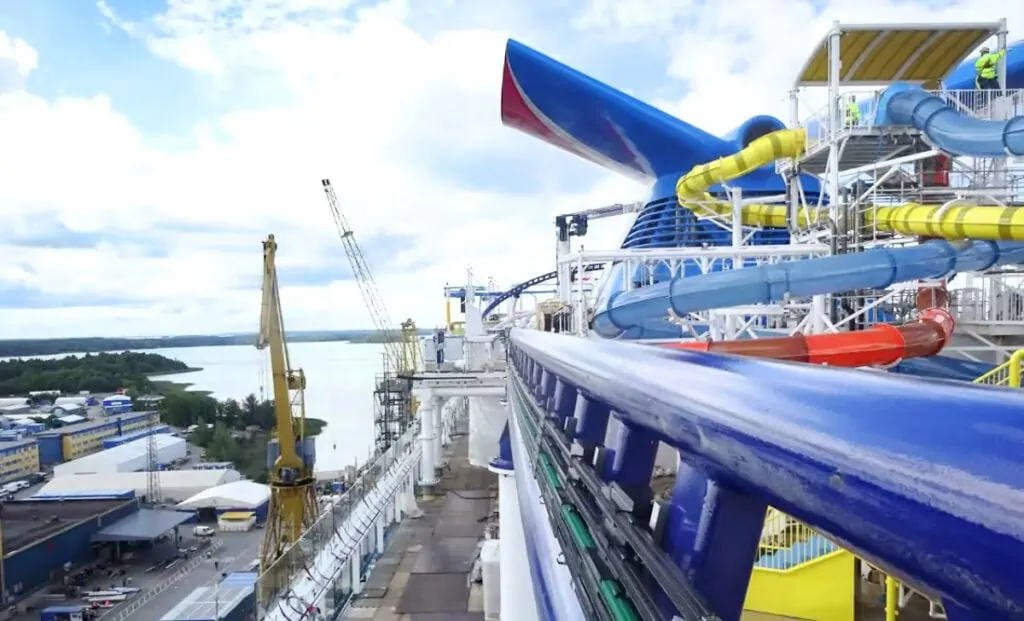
(954, 222)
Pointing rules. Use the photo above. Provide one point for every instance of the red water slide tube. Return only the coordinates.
(883, 344)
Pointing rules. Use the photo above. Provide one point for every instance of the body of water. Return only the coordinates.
(339, 388)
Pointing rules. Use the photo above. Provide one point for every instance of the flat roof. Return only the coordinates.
(17, 443)
(26, 522)
(882, 53)
(145, 525)
(92, 424)
(208, 603)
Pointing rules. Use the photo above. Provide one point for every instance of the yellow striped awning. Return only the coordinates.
(913, 53)
(237, 515)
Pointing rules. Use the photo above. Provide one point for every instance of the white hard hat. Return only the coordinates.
(984, 49)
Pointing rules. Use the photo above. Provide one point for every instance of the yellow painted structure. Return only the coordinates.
(818, 590)
(18, 459)
(954, 222)
(821, 588)
(870, 54)
(1007, 374)
(87, 438)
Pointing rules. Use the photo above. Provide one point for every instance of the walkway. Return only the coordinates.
(424, 573)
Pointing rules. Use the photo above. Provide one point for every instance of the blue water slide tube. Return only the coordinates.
(951, 129)
(640, 313)
(923, 478)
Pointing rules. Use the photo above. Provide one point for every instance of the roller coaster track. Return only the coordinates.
(518, 290)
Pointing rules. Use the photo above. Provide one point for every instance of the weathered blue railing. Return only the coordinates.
(924, 479)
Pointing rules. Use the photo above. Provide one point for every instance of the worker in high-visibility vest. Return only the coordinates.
(852, 112)
(986, 69)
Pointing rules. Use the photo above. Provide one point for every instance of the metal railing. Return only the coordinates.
(787, 543)
(1007, 374)
(297, 561)
(982, 104)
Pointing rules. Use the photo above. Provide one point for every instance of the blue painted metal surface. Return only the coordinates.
(51, 450)
(950, 129)
(962, 77)
(30, 567)
(929, 487)
(552, 582)
(640, 313)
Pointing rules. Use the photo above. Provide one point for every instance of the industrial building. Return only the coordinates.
(175, 485)
(18, 459)
(74, 441)
(130, 457)
(39, 537)
(235, 497)
(117, 404)
(125, 438)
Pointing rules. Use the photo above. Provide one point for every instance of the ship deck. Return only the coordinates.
(423, 574)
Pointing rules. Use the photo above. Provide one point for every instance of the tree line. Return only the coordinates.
(97, 373)
(42, 347)
(229, 430)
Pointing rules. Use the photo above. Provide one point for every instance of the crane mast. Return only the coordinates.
(292, 503)
(401, 346)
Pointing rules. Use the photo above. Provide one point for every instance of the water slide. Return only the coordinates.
(574, 112)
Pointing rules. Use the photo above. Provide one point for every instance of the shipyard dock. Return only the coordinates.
(424, 574)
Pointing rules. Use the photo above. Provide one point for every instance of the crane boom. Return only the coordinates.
(292, 502)
(367, 286)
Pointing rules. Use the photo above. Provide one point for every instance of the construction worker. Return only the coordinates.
(852, 112)
(986, 69)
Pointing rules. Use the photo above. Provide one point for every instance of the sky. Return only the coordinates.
(148, 146)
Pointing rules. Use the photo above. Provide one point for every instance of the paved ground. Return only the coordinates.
(424, 573)
(238, 550)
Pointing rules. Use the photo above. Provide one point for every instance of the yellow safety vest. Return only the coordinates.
(987, 64)
(852, 112)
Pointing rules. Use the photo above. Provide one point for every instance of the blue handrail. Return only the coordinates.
(922, 478)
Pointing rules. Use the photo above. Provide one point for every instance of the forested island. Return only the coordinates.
(228, 430)
(97, 373)
(42, 347)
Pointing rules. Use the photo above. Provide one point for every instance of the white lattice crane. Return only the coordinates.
(401, 345)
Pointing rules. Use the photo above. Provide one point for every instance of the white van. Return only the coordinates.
(203, 531)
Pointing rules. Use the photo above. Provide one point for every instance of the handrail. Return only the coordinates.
(1007, 374)
(865, 458)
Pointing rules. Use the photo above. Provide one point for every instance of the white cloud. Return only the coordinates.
(392, 112)
(370, 103)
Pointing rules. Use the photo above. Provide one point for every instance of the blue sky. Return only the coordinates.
(156, 142)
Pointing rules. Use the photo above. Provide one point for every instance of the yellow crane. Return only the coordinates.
(292, 492)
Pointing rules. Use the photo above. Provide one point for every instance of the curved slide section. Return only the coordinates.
(641, 313)
(878, 345)
(947, 128)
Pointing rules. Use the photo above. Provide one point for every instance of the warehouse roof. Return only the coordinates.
(139, 480)
(208, 603)
(236, 495)
(146, 525)
(126, 452)
(92, 424)
(27, 522)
